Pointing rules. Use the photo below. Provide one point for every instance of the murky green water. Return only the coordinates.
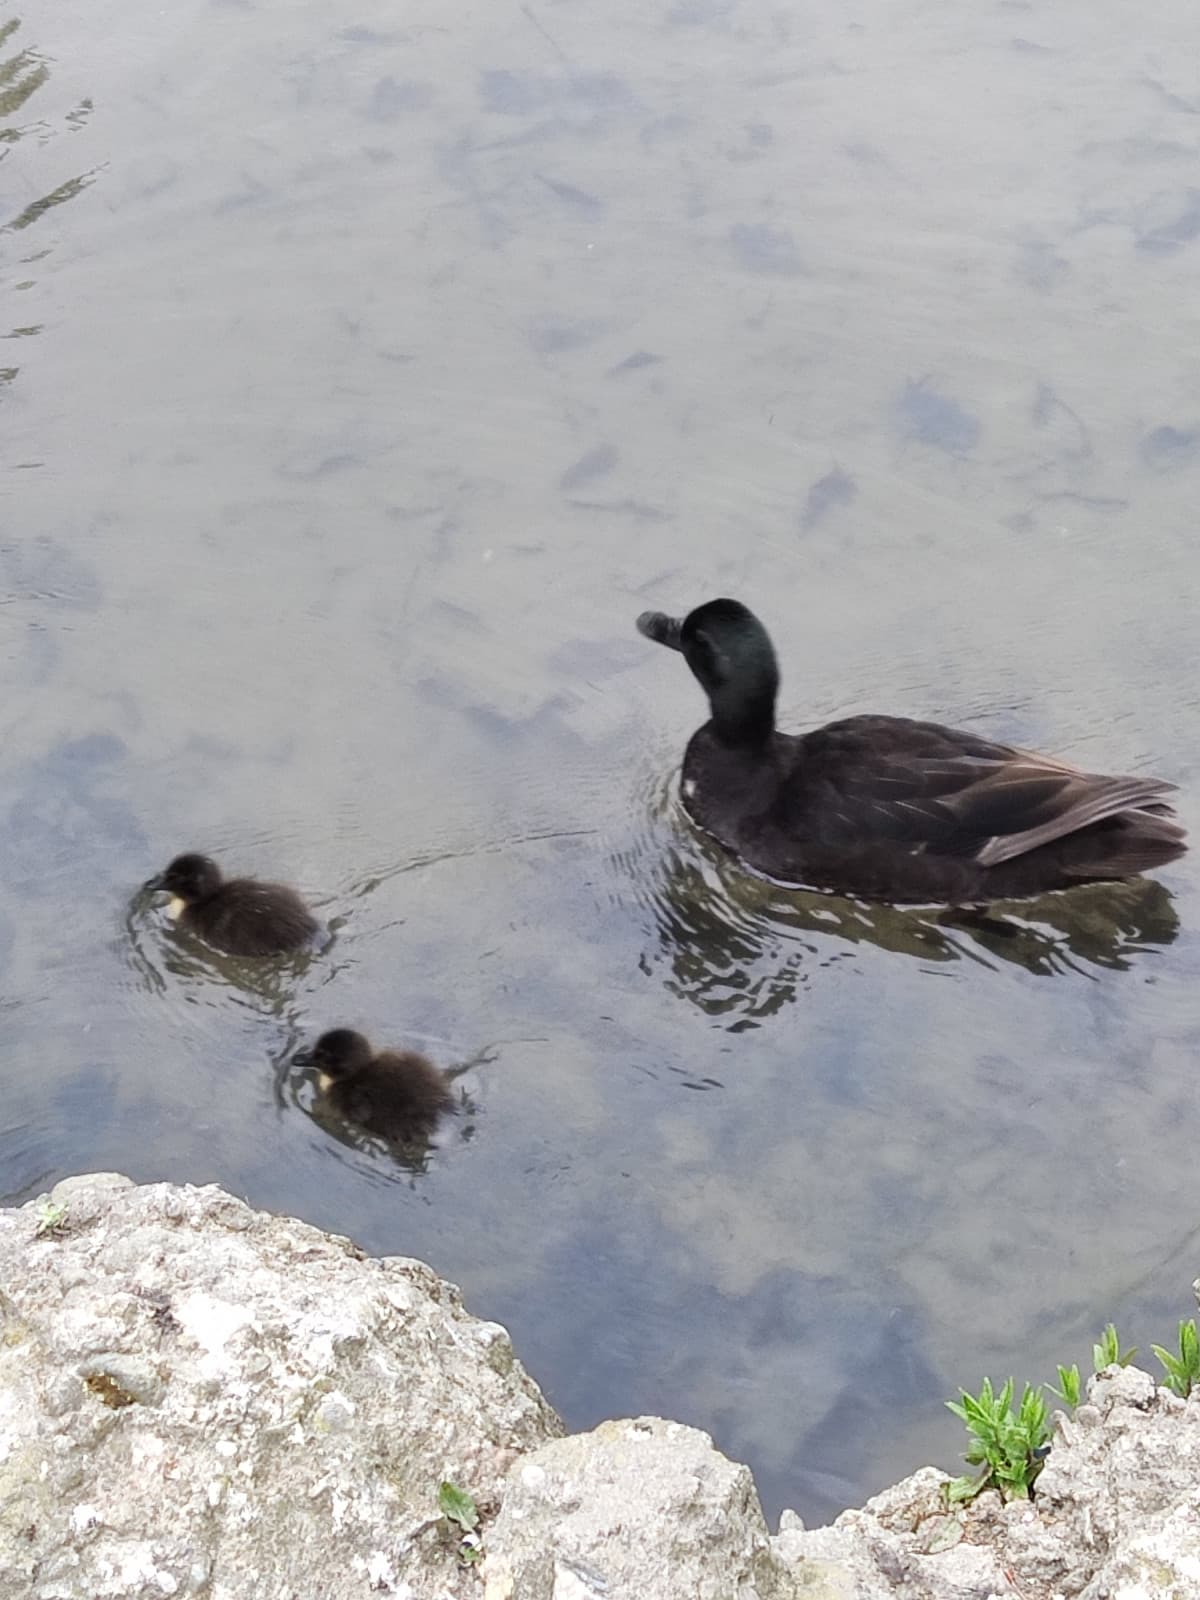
(364, 376)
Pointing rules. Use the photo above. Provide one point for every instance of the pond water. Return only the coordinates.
(366, 375)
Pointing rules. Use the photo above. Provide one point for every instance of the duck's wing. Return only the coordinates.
(938, 789)
(1063, 799)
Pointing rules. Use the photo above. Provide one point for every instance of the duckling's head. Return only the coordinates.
(189, 877)
(337, 1054)
(732, 658)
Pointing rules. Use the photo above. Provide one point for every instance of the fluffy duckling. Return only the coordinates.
(240, 916)
(396, 1094)
(890, 809)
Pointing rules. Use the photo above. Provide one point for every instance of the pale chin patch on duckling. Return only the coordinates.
(324, 1082)
(176, 907)
(688, 788)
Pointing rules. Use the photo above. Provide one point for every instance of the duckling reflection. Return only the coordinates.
(741, 948)
(397, 1096)
(240, 916)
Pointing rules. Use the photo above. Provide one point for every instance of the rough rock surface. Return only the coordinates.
(199, 1399)
(644, 1508)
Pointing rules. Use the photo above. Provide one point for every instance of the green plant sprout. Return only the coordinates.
(458, 1508)
(1183, 1370)
(52, 1220)
(1070, 1385)
(1108, 1352)
(1010, 1447)
(456, 1505)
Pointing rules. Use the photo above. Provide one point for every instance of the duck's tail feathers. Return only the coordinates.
(1134, 841)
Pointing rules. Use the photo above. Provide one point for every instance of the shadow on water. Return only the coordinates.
(741, 948)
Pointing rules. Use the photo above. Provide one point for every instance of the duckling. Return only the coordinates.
(885, 808)
(240, 916)
(397, 1095)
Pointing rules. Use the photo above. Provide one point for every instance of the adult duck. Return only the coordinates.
(890, 809)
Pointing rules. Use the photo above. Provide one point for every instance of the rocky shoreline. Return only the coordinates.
(199, 1399)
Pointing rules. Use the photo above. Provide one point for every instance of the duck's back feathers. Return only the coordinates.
(242, 916)
(398, 1097)
(924, 784)
(247, 918)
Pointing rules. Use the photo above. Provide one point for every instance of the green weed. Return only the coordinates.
(458, 1508)
(52, 1220)
(1070, 1386)
(1183, 1370)
(1009, 1446)
(1108, 1352)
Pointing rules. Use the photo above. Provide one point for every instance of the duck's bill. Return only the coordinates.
(153, 884)
(302, 1058)
(661, 628)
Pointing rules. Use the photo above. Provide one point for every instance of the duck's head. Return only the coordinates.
(731, 655)
(189, 877)
(336, 1054)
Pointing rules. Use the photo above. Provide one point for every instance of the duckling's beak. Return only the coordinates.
(302, 1058)
(662, 629)
(152, 885)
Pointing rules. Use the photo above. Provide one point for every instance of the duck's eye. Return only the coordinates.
(707, 658)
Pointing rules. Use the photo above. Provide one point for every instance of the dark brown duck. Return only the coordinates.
(242, 916)
(891, 809)
(397, 1095)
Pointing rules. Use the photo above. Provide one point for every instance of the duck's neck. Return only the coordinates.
(742, 721)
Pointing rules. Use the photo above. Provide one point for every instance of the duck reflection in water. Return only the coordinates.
(741, 947)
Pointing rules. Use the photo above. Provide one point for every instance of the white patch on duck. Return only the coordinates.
(176, 907)
(324, 1082)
